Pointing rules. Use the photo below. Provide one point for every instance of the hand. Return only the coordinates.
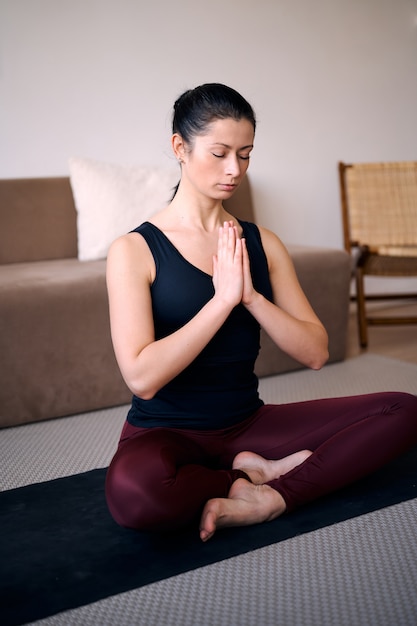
(248, 293)
(228, 265)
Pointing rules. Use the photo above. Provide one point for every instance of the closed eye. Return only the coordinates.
(221, 156)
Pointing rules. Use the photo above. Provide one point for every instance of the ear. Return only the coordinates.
(178, 147)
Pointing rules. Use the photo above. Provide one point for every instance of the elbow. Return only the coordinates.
(319, 359)
(145, 396)
(143, 392)
(320, 355)
(141, 388)
(142, 380)
(318, 363)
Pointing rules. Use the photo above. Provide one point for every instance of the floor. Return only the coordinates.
(360, 572)
(397, 342)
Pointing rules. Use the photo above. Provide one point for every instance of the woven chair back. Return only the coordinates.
(382, 206)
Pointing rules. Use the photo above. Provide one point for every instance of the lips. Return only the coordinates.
(227, 187)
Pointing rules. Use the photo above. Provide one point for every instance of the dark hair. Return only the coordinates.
(197, 108)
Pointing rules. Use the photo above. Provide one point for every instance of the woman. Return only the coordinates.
(188, 292)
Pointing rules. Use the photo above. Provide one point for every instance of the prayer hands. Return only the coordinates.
(231, 269)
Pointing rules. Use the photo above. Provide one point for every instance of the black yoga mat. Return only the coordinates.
(60, 549)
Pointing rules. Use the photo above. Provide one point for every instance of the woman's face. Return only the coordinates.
(217, 161)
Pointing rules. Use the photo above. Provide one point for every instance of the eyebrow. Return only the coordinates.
(225, 145)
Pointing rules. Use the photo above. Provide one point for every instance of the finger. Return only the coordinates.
(245, 254)
(230, 238)
(214, 267)
(226, 242)
(238, 249)
(220, 242)
(246, 261)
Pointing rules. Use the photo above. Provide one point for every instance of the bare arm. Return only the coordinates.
(290, 320)
(147, 364)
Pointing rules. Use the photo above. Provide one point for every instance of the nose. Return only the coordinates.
(233, 166)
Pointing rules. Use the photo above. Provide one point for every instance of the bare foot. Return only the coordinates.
(246, 504)
(261, 470)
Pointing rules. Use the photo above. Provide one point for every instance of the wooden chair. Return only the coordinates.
(379, 207)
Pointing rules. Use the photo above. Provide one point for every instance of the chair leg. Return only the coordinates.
(361, 312)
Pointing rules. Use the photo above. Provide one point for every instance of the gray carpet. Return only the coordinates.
(359, 572)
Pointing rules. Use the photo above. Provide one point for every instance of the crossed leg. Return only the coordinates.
(250, 502)
(161, 479)
(350, 438)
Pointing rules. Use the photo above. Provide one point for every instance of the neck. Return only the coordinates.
(194, 210)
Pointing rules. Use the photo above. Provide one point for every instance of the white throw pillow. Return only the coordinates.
(112, 200)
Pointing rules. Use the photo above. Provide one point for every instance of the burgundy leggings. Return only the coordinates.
(160, 478)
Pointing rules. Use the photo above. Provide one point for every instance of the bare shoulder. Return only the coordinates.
(275, 250)
(130, 254)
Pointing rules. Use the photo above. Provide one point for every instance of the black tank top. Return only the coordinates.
(219, 388)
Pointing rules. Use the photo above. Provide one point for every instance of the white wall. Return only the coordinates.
(330, 80)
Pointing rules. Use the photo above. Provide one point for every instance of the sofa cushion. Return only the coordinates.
(112, 199)
(37, 220)
(56, 352)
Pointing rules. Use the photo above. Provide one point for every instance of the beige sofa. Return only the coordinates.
(56, 356)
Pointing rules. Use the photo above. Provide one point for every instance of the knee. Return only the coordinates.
(393, 402)
(132, 502)
(407, 402)
(123, 500)
(405, 407)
